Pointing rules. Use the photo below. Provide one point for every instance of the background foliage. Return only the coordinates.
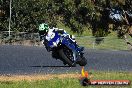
(78, 15)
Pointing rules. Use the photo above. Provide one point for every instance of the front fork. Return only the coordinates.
(77, 57)
(74, 56)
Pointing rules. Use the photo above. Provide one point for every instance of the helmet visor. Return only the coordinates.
(43, 27)
(46, 27)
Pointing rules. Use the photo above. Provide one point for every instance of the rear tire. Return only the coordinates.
(83, 61)
(66, 59)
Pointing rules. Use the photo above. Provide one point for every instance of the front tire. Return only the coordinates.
(55, 54)
(66, 59)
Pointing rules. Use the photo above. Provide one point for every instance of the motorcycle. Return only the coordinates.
(66, 50)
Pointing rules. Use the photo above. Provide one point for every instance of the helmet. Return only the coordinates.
(43, 27)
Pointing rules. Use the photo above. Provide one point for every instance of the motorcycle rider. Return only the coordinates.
(45, 31)
(50, 40)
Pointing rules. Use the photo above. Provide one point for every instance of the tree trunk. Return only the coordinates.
(130, 31)
(129, 44)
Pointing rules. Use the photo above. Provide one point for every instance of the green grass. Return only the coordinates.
(69, 82)
(109, 43)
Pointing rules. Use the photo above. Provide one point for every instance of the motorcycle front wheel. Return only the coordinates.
(67, 56)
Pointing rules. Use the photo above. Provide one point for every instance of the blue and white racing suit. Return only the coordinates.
(50, 39)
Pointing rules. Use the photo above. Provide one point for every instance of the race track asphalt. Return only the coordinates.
(16, 59)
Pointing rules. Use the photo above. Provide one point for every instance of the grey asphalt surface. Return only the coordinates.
(33, 60)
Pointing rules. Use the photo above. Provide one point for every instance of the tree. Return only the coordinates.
(76, 14)
(124, 28)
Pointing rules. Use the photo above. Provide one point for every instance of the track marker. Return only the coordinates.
(85, 80)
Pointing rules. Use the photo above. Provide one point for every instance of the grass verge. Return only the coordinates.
(61, 80)
(108, 43)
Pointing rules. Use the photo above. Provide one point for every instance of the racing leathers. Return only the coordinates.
(48, 38)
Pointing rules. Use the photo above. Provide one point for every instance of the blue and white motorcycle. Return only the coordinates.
(66, 50)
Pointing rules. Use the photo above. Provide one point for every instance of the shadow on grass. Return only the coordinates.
(6, 82)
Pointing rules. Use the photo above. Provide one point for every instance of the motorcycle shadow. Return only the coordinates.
(46, 66)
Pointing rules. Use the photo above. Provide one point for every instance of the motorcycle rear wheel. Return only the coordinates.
(83, 61)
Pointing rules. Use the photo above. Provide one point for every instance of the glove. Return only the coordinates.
(54, 44)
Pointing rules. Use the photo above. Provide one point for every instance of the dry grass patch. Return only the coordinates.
(37, 77)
